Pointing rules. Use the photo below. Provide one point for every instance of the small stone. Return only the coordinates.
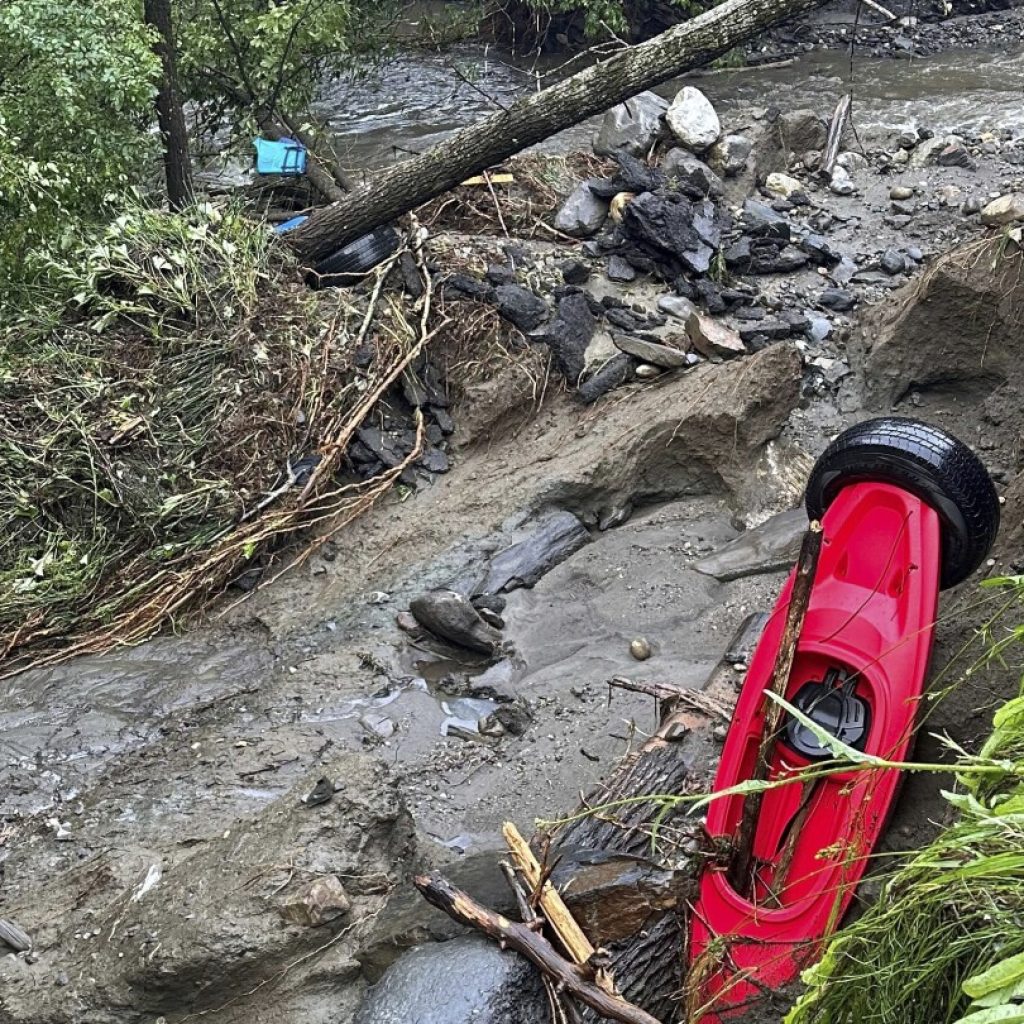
(1004, 210)
(618, 205)
(909, 138)
(955, 154)
(841, 183)
(783, 185)
(407, 623)
(901, 157)
(583, 214)
(838, 299)
(692, 119)
(520, 307)
(688, 169)
(677, 306)
(647, 372)
(711, 338)
(892, 262)
(640, 648)
(648, 352)
(820, 329)
(972, 205)
(320, 902)
(620, 270)
(852, 161)
(762, 221)
(320, 793)
(901, 192)
(575, 272)
(729, 156)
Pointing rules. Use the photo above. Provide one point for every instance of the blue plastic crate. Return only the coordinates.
(280, 156)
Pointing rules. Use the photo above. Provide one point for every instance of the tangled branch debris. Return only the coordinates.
(189, 410)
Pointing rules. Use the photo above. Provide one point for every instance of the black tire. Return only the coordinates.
(929, 463)
(347, 265)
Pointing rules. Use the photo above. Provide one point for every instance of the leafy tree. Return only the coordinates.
(76, 91)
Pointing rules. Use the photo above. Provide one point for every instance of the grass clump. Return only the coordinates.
(945, 940)
(184, 403)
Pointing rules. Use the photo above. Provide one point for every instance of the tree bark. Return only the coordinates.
(171, 117)
(536, 117)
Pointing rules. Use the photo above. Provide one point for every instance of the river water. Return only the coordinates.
(417, 99)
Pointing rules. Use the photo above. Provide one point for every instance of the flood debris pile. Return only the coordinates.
(194, 405)
(690, 241)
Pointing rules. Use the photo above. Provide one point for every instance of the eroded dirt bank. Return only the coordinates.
(223, 825)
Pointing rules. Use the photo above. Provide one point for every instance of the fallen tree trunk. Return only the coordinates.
(535, 118)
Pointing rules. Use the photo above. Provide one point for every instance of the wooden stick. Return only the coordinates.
(835, 134)
(561, 1011)
(799, 600)
(463, 908)
(879, 9)
(559, 916)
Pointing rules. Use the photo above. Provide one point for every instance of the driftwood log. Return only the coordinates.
(536, 117)
(796, 612)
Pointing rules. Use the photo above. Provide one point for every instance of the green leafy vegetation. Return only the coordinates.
(76, 92)
(944, 942)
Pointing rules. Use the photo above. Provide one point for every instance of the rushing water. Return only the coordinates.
(417, 99)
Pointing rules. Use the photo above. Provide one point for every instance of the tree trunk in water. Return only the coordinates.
(535, 118)
(173, 133)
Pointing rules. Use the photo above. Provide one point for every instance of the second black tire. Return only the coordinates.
(926, 461)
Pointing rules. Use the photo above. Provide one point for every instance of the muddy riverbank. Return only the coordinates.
(223, 824)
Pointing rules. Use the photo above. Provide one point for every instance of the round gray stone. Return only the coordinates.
(465, 981)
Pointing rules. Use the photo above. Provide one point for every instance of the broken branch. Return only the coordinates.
(796, 613)
(461, 907)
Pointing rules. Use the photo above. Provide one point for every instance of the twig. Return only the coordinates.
(558, 915)
(799, 600)
(879, 9)
(673, 692)
(497, 205)
(461, 907)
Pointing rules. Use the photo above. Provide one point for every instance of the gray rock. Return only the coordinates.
(841, 183)
(468, 980)
(711, 338)
(615, 372)
(955, 154)
(972, 205)
(583, 214)
(928, 151)
(569, 335)
(801, 130)
(783, 185)
(892, 262)
(729, 155)
(901, 192)
(620, 270)
(820, 329)
(520, 306)
(767, 548)
(838, 299)
(852, 161)
(634, 126)
(692, 119)
(691, 170)
(657, 355)
(575, 272)
(820, 250)
(677, 306)
(1004, 210)
(554, 538)
(450, 616)
(761, 220)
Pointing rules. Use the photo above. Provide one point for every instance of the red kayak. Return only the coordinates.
(906, 509)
